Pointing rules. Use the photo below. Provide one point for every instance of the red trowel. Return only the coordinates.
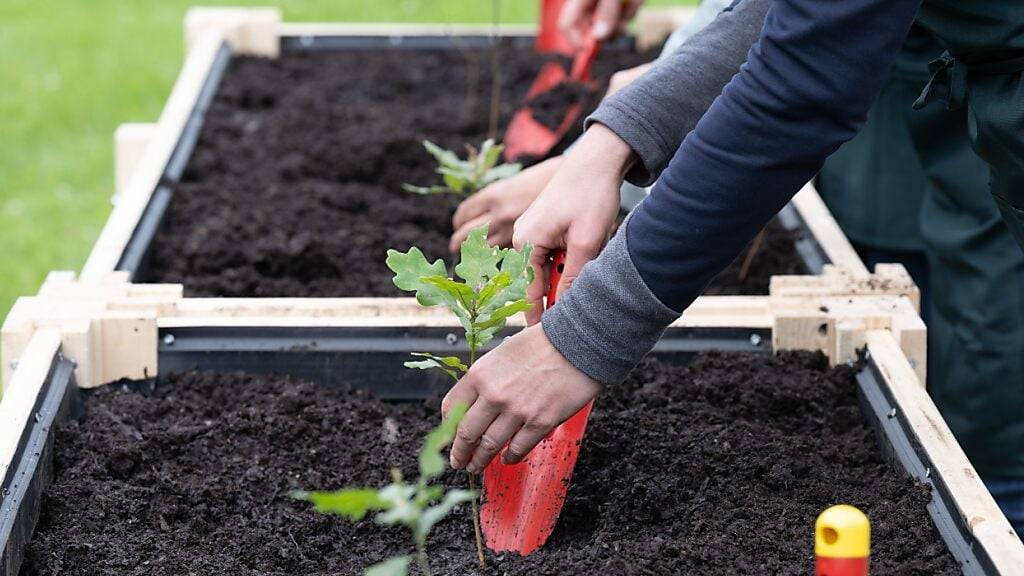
(526, 137)
(522, 501)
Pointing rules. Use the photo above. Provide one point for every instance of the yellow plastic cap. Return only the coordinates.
(842, 532)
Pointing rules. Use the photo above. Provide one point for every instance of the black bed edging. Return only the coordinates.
(325, 355)
(900, 444)
(137, 250)
(32, 465)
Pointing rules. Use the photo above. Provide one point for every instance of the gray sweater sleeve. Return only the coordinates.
(658, 110)
(602, 333)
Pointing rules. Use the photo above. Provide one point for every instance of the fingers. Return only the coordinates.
(573, 18)
(492, 441)
(468, 436)
(606, 19)
(460, 235)
(470, 208)
(577, 254)
(535, 291)
(463, 392)
(526, 439)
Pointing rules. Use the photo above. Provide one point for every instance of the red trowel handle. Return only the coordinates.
(557, 267)
(584, 58)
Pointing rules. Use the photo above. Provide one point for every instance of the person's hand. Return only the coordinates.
(517, 393)
(575, 212)
(500, 204)
(606, 18)
(624, 78)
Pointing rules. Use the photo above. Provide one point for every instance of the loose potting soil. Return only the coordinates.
(716, 468)
(295, 185)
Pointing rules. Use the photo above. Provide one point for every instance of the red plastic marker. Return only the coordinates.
(522, 501)
(842, 542)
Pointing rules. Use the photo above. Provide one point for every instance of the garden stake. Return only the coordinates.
(842, 542)
(522, 501)
(525, 137)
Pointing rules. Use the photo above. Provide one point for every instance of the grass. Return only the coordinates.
(73, 70)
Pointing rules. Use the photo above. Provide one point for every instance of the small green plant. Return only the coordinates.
(401, 503)
(493, 288)
(466, 177)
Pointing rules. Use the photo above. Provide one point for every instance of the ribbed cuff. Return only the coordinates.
(608, 320)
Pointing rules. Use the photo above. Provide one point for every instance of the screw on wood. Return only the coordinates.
(169, 339)
(451, 339)
(13, 364)
(755, 339)
(892, 413)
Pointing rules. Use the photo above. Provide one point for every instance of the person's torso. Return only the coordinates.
(976, 30)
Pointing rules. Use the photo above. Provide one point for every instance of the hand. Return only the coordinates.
(575, 212)
(606, 17)
(517, 393)
(500, 204)
(624, 78)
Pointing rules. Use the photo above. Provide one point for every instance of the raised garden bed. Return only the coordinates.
(282, 177)
(718, 467)
(764, 408)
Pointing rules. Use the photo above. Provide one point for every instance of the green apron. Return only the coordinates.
(976, 342)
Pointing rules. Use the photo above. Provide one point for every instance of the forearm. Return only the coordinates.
(805, 90)
(655, 112)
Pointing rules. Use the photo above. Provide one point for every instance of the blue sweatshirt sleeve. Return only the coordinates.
(805, 89)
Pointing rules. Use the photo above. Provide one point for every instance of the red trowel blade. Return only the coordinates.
(522, 501)
(527, 137)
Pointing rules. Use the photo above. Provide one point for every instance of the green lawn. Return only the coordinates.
(73, 70)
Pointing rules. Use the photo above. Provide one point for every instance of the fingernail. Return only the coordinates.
(453, 462)
(600, 30)
(472, 469)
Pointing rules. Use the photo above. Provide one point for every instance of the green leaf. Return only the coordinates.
(435, 514)
(410, 267)
(497, 318)
(352, 503)
(460, 292)
(516, 263)
(431, 462)
(478, 261)
(493, 286)
(402, 509)
(426, 190)
(501, 172)
(455, 182)
(450, 365)
(490, 153)
(397, 566)
(444, 157)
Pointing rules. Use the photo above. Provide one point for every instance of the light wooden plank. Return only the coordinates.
(131, 204)
(981, 515)
(358, 29)
(247, 30)
(16, 405)
(827, 231)
(130, 141)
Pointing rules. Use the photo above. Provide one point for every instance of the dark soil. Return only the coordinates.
(549, 107)
(775, 255)
(716, 468)
(294, 188)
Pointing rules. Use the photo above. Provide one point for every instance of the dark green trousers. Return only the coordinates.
(976, 330)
